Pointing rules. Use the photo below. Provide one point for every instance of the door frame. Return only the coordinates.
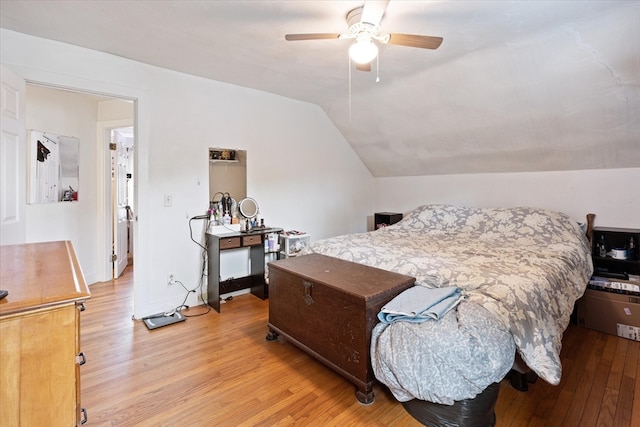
(13, 150)
(105, 221)
(121, 214)
(54, 77)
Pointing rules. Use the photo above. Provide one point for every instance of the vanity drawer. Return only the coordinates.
(229, 243)
(252, 240)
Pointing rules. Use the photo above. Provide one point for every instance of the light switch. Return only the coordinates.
(168, 200)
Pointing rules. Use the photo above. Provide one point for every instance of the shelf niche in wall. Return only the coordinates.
(227, 173)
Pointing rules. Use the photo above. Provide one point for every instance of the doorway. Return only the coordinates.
(121, 145)
(89, 220)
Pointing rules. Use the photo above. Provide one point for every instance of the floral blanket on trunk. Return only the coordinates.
(520, 271)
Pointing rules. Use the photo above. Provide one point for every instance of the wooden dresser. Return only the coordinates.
(40, 353)
(328, 307)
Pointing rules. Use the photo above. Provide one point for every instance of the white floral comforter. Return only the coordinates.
(521, 271)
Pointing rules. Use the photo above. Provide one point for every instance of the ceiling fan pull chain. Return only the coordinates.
(349, 67)
(378, 69)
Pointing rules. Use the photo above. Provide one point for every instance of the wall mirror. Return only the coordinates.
(53, 167)
(227, 173)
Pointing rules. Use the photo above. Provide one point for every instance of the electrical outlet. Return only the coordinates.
(171, 279)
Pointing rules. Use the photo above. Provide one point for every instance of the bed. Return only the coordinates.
(520, 271)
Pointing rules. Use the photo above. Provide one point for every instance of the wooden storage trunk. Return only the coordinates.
(328, 307)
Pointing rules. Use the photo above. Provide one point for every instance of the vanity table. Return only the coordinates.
(220, 241)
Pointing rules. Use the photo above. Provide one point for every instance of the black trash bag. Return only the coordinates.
(476, 412)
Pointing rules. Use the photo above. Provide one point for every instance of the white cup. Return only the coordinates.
(619, 253)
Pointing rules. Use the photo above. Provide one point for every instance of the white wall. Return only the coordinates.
(115, 109)
(300, 169)
(612, 194)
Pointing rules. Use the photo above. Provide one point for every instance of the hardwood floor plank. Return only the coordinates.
(596, 395)
(571, 378)
(520, 409)
(586, 380)
(635, 412)
(562, 402)
(624, 405)
(536, 422)
(631, 368)
(607, 408)
(218, 369)
(617, 368)
(610, 348)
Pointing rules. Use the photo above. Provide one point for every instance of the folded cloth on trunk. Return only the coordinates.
(420, 303)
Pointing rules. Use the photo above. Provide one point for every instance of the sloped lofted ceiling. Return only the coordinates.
(515, 86)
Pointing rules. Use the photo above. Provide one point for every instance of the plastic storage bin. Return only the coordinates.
(292, 244)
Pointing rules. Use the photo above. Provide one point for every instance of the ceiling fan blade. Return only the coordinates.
(313, 36)
(363, 67)
(412, 40)
(373, 11)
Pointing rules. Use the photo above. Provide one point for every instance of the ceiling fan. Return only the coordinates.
(364, 28)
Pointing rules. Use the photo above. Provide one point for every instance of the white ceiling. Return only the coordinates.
(515, 86)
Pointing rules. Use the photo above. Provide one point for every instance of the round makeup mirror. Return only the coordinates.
(248, 207)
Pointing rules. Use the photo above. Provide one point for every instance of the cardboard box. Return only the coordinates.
(604, 311)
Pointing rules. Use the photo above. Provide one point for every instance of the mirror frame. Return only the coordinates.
(244, 207)
(63, 151)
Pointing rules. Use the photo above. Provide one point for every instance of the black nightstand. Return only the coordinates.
(383, 219)
(605, 241)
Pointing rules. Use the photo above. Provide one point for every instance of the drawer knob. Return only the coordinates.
(307, 292)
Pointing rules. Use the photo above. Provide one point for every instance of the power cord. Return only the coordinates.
(202, 272)
(184, 306)
(200, 217)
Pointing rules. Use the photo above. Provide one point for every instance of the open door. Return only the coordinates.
(122, 141)
(13, 149)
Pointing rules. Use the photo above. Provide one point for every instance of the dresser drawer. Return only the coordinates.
(229, 243)
(252, 240)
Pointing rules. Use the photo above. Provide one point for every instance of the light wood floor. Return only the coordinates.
(218, 370)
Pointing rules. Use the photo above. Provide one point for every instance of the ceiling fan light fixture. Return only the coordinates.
(363, 51)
